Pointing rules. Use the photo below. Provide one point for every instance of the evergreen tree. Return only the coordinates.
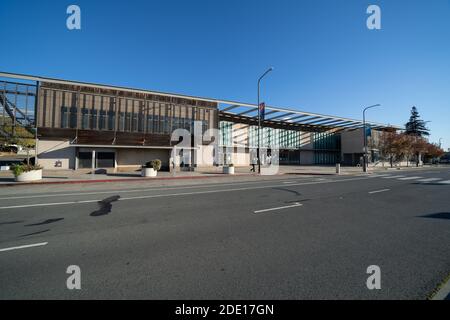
(415, 126)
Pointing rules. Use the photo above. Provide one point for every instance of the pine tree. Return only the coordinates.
(415, 126)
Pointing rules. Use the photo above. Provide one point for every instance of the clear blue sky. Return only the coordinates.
(325, 58)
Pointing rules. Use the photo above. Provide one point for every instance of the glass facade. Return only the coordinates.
(327, 148)
(274, 138)
(226, 133)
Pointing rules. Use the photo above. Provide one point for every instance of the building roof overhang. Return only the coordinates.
(287, 117)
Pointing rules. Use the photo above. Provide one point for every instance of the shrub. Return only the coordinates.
(18, 169)
(156, 164)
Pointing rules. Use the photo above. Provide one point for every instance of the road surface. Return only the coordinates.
(285, 237)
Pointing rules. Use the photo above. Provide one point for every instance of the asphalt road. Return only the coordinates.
(281, 238)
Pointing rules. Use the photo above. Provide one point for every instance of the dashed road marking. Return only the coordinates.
(410, 178)
(25, 246)
(378, 191)
(297, 204)
(45, 204)
(393, 177)
(429, 179)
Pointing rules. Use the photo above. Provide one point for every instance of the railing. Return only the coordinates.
(17, 108)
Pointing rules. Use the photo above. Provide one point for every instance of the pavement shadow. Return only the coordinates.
(296, 193)
(430, 184)
(48, 221)
(98, 171)
(438, 215)
(34, 233)
(105, 206)
(11, 222)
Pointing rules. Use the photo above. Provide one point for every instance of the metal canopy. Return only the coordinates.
(309, 120)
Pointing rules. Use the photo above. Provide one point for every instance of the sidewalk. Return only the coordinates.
(84, 176)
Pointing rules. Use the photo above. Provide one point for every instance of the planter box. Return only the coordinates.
(149, 172)
(228, 170)
(30, 176)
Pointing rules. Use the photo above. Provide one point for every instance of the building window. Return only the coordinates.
(73, 117)
(102, 120)
(64, 115)
(134, 123)
(226, 133)
(111, 120)
(84, 118)
(122, 121)
(93, 119)
(156, 124)
(141, 122)
(127, 121)
(175, 123)
(150, 124)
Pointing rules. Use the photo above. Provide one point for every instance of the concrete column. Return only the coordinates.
(338, 168)
(93, 161)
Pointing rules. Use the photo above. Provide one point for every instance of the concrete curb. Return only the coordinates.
(137, 179)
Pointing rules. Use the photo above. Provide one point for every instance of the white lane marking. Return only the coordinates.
(134, 190)
(393, 177)
(444, 182)
(378, 191)
(410, 178)
(49, 204)
(287, 182)
(380, 175)
(25, 246)
(429, 179)
(180, 194)
(297, 204)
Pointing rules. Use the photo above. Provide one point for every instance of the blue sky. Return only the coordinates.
(325, 58)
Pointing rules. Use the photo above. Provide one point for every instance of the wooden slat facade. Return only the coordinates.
(112, 117)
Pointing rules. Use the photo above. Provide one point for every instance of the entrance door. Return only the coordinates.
(85, 160)
(105, 160)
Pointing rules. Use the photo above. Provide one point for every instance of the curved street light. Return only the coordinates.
(259, 119)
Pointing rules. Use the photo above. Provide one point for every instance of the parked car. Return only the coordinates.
(11, 148)
(445, 158)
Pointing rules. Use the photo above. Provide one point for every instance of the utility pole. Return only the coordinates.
(365, 159)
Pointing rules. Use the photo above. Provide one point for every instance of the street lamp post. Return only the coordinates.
(440, 143)
(259, 120)
(365, 159)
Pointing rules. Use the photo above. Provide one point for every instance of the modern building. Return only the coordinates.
(80, 125)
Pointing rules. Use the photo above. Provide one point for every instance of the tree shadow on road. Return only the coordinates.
(48, 221)
(34, 233)
(105, 206)
(438, 215)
